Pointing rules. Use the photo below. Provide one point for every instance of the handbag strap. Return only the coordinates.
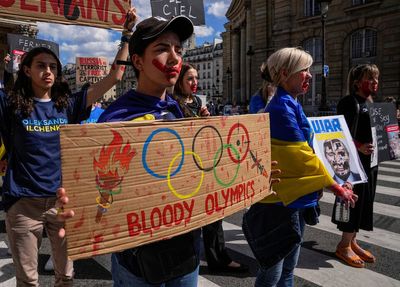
(355, 122)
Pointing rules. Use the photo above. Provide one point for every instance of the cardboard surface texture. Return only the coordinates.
(104, 14)
(132, 183)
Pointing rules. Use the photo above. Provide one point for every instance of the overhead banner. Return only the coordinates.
(335, 148)
(385, 132)
(132, 183)
(193, 9)
(20, 44)
(102, 14)
(90, 70)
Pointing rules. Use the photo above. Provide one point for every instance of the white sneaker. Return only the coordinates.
(49, 265)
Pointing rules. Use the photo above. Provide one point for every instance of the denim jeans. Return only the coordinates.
(281, 274)
(123, 278)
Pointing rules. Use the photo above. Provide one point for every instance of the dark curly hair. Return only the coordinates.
(21, 96)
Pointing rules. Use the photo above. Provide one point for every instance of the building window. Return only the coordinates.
(363, 44)
(360, 2)
(311, 8)
(314, 47)
(204, 65)
(209, 75)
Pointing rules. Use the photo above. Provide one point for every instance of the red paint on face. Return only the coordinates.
(369, 87)
(193, 88)
(305, 81)
(169, 72)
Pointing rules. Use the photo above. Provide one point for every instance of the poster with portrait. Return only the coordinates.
(334, 146)
(385, 132)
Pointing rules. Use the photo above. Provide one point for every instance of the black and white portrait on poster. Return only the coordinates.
(334, 146)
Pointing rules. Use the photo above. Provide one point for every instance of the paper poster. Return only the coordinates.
(193, 9)
(386, 131)
(20, 44)
(90, 70)
(334, 146)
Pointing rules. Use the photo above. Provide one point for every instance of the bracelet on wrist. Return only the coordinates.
(125, 39)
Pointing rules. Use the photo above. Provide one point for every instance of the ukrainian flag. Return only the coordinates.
(291, 139)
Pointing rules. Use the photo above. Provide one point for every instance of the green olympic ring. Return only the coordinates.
(237, 167)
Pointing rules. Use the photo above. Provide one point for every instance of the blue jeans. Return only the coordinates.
(124, 278)
(281, 274)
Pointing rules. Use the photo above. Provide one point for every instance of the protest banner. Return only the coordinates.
(193, 9)
(385, 132)
(90, 70)
(102, 14)
(132, 183)
(334, 146)
(20, 44)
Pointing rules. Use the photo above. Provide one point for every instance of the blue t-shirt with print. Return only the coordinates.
(34, 163)
(133, 105)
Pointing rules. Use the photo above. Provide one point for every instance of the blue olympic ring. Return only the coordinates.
(144, 153)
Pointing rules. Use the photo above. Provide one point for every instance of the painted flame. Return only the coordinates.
(113, 162)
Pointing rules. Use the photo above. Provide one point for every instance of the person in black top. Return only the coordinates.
(218, 259)
(362, 86)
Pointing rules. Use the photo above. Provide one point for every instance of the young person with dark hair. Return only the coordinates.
(30, 117)
(155, 50)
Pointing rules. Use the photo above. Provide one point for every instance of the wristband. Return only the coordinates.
(125, 39)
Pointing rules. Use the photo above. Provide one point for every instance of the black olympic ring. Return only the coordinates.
(220, 156)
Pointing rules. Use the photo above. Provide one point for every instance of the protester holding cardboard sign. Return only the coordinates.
(155, 49)
(274, 227)
(30, 118)
(362, 86)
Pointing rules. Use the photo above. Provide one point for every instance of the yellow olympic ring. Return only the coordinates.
(177, 194)
(107, 205)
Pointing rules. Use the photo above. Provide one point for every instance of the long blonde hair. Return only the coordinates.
(291, 59)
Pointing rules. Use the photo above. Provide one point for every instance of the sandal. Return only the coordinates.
(363, 254)
(354, 260)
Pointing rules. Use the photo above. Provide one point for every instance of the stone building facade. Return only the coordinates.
(356, 31)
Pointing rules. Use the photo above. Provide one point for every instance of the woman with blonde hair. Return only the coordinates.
(262, 97)
(362, 86)
(274, 226)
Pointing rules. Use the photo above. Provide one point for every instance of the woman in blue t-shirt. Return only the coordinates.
(30, 118)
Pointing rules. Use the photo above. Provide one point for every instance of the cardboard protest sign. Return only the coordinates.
(20, 44)
(193, 9)
(335, 148)
(132, 183)
(90, 69)
(102, 14)
(385, 132)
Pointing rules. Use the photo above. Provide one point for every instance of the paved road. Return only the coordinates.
(317, 266)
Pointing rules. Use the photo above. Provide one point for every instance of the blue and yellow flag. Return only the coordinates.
(291, 138)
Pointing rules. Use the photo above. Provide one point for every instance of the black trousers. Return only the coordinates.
(214, 245)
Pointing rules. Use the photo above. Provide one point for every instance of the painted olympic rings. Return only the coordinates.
(146, 145)
(227, 146)
(239, 125)
(193, 145)
(177, 194)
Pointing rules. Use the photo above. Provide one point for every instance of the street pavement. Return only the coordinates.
(317, 265)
